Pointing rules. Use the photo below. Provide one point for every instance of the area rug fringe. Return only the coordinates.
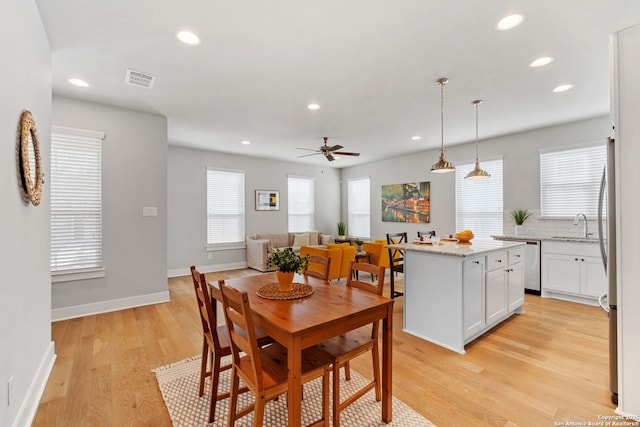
(178, 383)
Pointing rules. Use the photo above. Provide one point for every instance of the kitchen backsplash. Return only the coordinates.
(535, 226)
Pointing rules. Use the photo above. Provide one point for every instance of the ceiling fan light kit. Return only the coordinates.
(477, 172)
(442, 166)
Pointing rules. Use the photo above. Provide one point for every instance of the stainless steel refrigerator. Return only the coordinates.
(608, 300)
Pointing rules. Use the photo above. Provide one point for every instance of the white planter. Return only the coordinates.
(518, 230)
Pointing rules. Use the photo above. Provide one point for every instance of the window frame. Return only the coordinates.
(351, 204)
(80, 136)
(291, 203)
(240, 196)
(461, 171)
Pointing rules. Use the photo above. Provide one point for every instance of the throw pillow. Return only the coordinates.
(301, 239)
(314, 237)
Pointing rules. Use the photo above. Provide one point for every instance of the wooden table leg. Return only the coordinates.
(387, 364)
(294, 394)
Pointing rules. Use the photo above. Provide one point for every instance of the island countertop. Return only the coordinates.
(476, 247)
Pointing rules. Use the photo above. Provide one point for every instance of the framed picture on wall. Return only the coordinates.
(267, 200)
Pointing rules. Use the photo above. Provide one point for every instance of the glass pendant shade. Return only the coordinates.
(477, 172)
(442, 166)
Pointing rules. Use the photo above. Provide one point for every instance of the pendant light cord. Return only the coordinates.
(442, 115)
(477, 103)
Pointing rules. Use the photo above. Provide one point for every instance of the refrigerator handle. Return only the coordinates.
(603, 251)
(604, 306)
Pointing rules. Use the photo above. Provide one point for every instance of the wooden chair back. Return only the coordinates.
(237, 314)
(374, 288)
(318, 266)
(207, 309)
(396, 255)
(430, 233)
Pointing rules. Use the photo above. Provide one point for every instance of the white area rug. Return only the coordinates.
(178, 383)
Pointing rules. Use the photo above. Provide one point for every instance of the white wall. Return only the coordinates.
(521, 179)
(26, 350)
(134, 175)
(187, 204)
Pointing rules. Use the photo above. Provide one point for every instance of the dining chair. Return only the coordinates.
(264, 370)
(396, 260)
(343, 348)
(317, 266)
(430, 233)
(215, 343)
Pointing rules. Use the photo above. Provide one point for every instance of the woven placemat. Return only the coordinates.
(271, 291)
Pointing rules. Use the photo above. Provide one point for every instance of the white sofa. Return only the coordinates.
(260, 245)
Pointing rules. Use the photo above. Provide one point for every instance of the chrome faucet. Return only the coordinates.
(577, 219)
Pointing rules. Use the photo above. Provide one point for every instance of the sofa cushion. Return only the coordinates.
(301, 239)
(278, 240)
(314, 238)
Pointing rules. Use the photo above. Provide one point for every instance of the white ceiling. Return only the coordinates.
(370, 64)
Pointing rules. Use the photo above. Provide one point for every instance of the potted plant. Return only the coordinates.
(287, 263)
(519, 217)
(342, 229)
(359, 243)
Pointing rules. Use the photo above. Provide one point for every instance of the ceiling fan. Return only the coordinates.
(328, 151)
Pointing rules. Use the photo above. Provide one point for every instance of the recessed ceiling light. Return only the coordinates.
(313, 107)
(78, 82)
(245, 142)
(541, 62)
(562, 88)
(508, 22)
(416, 137)
(188, 37)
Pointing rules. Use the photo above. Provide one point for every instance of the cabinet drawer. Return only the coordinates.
(497, 260)
(516, 255)
(571, 248)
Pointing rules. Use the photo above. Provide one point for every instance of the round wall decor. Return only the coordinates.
(31, 174)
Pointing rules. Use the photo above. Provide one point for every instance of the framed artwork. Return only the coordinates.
(267, 200)
(409, 202)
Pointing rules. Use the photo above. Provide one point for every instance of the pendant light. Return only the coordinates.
(443, 165)
(477, 173)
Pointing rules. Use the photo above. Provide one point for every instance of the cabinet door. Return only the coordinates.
(516, 286)
(561, 273)
(496, 295)
(593, 278)
(473, 296)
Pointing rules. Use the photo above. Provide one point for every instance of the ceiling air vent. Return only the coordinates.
(138, 78)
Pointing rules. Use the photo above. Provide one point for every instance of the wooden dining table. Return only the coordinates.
(331, 310)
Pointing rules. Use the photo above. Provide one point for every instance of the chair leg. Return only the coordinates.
(203, 366)
(376, 370)
(215, 378)
(336, 394)
(258, 411)
(325, 397)
(347, 371)
(233, 398)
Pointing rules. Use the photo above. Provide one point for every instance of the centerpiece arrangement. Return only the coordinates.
(287, 263)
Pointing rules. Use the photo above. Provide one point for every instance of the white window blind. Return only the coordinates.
(76, 200)
(358, 197)
(225, 207)
(479, 203)
(570, 181)
(301, 204)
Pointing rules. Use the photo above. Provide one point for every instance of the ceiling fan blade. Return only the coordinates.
(308, 149)
(335, 147)
(307, 155)
(330, 157)
(344, 153)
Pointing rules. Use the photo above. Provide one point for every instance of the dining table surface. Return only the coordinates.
(332, 309)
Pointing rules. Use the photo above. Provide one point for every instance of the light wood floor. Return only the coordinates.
(550, 364)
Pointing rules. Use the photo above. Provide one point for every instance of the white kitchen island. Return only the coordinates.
(454, 293)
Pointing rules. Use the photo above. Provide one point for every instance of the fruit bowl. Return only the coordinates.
(464, 237)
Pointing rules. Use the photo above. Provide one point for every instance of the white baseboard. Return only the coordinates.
(206, 269)
(107, 306)
(29, 406)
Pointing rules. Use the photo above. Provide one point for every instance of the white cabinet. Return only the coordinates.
(572, 271)
(504, 284)
(473, 296)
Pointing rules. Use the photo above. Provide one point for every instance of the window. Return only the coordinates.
(76, 202)
(479, 201)
(359, 207)
(570, 181)
(301, 204)
(225, 207)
